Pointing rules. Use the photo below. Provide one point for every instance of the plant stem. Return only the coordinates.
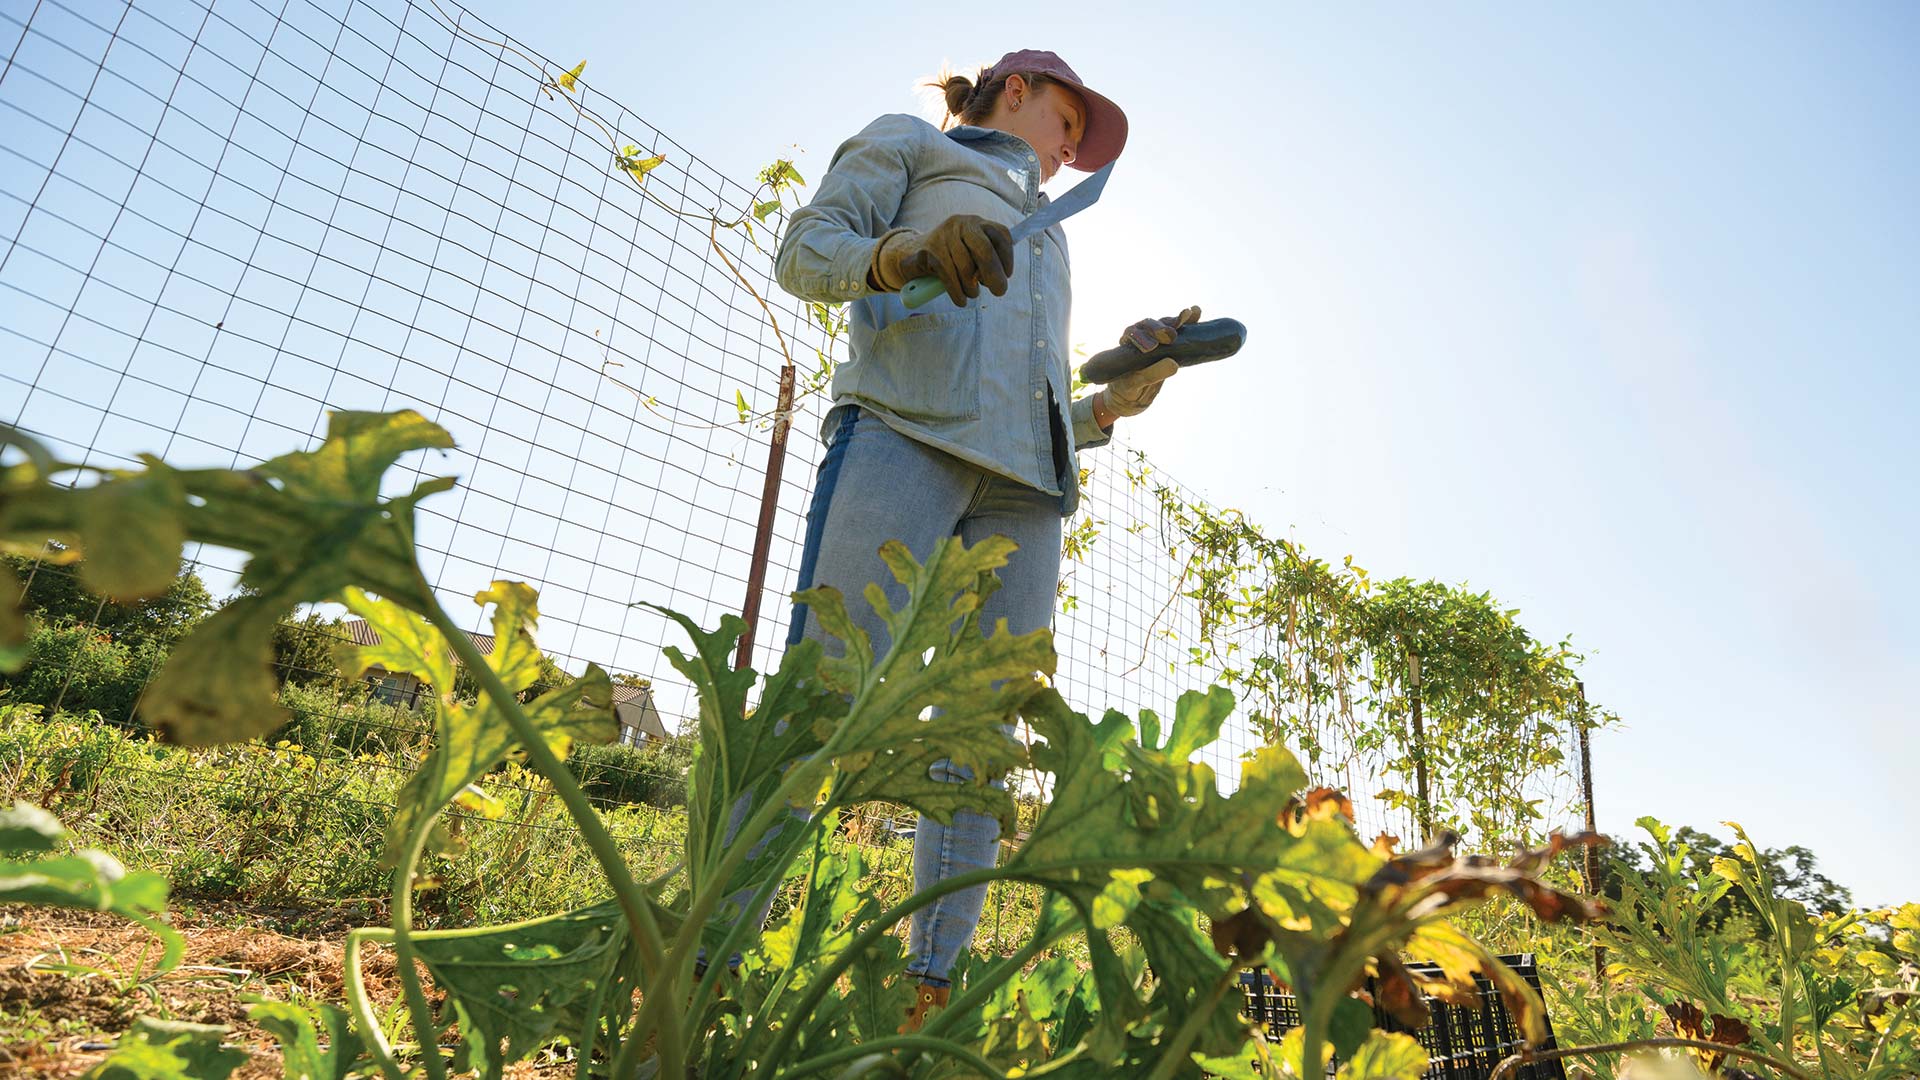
(741, 927)
(362, 1006)
(1189, 1030)
(1528, 1056)
(633, 903)
(798, 778)
(403, 954)
(824, 982)
(925, 1044)
(707, 899)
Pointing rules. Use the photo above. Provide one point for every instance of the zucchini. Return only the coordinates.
(1200, 343)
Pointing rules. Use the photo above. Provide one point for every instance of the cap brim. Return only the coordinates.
(1106, 131)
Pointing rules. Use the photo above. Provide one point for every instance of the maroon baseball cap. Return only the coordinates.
(1106, 132)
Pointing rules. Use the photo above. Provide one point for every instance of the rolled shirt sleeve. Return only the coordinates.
(829, 243)
(1087, 432)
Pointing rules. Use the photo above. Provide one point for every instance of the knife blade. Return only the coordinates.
(1084, 194)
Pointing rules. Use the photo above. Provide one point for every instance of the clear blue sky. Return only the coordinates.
(1611, 311)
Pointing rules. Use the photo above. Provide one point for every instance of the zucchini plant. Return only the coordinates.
(1166, 886)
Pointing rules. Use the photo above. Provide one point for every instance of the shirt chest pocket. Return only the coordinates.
(925, 366)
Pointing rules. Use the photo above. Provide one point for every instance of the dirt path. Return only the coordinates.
(69, 982)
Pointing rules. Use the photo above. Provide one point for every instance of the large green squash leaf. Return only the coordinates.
(312, 523)
(514, 988)
(743, 754)
(1139, 836)
(943, 689)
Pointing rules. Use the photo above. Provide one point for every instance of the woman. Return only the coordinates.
(956, 419)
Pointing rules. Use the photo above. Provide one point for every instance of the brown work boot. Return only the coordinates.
(925, 1000)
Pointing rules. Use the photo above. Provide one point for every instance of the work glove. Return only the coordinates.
(1148, 334)
(965, 252)
(1130, 394)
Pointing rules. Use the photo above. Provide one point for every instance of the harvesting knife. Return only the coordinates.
(1084, 194)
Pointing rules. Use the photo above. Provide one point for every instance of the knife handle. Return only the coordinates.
(920, 290)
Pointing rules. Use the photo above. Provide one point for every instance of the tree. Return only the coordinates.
(76, 668)
(88, 655)
(1794, 871)
(53, 593)
(303, 650)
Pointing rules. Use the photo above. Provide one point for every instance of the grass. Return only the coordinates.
(278, 825)
(284, 826)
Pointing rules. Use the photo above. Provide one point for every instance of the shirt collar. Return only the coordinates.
(970, 133)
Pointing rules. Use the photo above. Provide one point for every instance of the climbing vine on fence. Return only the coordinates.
(1433, 687)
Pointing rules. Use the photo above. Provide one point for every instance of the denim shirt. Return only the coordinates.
(974, 381)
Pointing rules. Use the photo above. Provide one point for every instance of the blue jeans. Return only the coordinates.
(877, 485)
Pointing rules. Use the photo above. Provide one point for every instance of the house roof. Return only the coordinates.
(635, 708)
(363, 633)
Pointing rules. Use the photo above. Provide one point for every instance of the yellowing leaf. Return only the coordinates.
(1385, 1056)
(516, 609)
(569, 79)
(314, 522)
(217, 684)
(1119, 898)
(472, 737)
(639, 167)
(474, 798)
(407, 645)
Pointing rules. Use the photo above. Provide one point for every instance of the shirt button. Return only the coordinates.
(1036, 298)
(1040, 343)
(1039, 394)
(1036, 247)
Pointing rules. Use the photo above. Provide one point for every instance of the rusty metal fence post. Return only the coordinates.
(769, 506)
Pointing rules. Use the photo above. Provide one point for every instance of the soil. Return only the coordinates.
(57, 1023)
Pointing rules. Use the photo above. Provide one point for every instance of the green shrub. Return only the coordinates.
(78, 668)
(653, 773)
(67, 754)
(327, 719)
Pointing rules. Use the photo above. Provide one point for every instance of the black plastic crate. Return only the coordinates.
(1463, 1042)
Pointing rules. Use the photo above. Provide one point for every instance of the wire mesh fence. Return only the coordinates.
(221, 221)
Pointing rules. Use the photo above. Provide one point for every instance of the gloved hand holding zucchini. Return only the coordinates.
(964, 252)
(1182, 339)
(1130, 393)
